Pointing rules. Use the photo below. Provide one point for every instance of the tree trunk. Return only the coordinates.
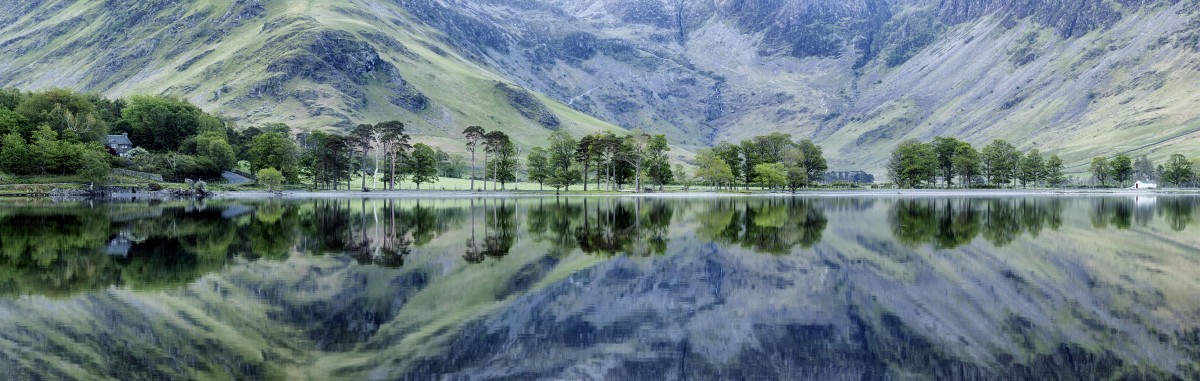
(472, 175)
(364, 169)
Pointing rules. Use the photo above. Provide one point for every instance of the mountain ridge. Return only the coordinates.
(1079, 78)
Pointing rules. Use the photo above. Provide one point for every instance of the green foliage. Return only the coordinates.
(1143, 169)
(1100, 169)
(562, 152)
(732, 156)
(797, 177)
(11, 121)
(71, 115)
(423, 165)
(1178, 171)
(538, 165)
(1054, 172)
(966, 163)
(1122, 169)
(503, 165)
(161, 123)
(712, 169)
(14, 155)
(912, 164)
(999, 162)
(813, 161)
(946, 148)
(270, 177)
(94, 165)
(657, 164)
(771, 175)
(1032, 169)
(275, 150)
(213, 146)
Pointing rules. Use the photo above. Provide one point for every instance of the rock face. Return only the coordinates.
(1080, 78)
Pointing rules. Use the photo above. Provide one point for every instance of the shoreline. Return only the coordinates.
(872, 193)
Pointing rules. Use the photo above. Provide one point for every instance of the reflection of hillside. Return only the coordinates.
(676, 289)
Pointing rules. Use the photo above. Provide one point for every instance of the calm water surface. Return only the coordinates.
(603, 288)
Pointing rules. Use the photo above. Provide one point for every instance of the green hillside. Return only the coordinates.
(1077, 78)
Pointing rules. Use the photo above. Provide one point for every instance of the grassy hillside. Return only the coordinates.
(310, 64)
(1079, 78)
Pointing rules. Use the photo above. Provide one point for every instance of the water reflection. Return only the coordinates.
(604, 288)
(951, 223)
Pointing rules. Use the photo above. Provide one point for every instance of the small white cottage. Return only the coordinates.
(1144, 185)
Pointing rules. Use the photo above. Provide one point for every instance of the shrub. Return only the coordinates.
(154, 187)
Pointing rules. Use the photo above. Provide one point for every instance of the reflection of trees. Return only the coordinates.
(499, 230)
(1178, 211)
(613, 226)
(375, 232)
(553, 222)
(1117, 212)
(950, 223)
(772, 226)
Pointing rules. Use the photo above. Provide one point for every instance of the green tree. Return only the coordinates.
(1054, 172)
(363, 137)
(504, 165)
(1122, 169)
(771, 175)
(966, 163)
(562, 151)
(813, 162)
(732, 156)
(658, 164)
(275, 150)
(1143, 169)
(394, 142)
(270, 177)
(946, 148)
(1100, 170)
(68, 113)
(94, 166)
(797, 178)
(912, 164)
(14, 154)
(474, 136)
(160, 123)
(713, 169)
(424, 165)
(585, 154)
(11, 121)
(682, 177)
(999, 162)
(1032, 169)
(538, 166)
(1178, 171)
(215, 147)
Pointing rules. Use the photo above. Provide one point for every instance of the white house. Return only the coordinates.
(1144, 185)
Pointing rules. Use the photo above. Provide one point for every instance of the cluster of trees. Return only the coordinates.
(606, 158)
(916, 164)
(1179, 171)
(772, 161)
(62, 132)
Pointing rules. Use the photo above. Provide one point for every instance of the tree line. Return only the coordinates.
(772, 161)
(948, 161)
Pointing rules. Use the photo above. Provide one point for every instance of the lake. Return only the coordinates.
(614, 288)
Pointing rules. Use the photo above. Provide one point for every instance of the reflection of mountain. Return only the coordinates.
(864, 299)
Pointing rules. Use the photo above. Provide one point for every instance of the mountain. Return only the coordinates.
(1080, 78)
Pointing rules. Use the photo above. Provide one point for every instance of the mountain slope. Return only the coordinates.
(310, 64)
(1079, 78)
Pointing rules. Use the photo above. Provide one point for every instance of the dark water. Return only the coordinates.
(1037, 288)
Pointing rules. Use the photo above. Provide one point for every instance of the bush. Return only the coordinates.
(154, 187)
